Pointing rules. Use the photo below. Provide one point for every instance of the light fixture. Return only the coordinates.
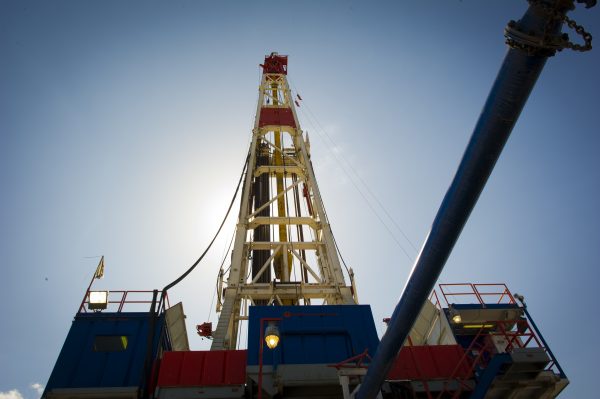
(98, 300)
(456, 319)
(272, 335)
(519, 298)
(478, 326)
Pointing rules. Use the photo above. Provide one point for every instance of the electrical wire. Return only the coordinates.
(319, 128)
(312, 116)
(212, 301)
(339, 253)
(383, 208)
(339, 158)
(362, 194)
(221, 268)
(227, 252)
(188, 271)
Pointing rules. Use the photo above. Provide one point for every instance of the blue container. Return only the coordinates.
(326, 334)
(104, 350)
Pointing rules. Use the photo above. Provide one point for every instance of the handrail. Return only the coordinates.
(123, 300)
(437, 302)
(479, 291)
(354, 361)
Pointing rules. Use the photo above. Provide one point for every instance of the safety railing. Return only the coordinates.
(476, 355)
(513, 334)
(133, 300)
(520, 334)
(433, 298)
(494, 337)
(483, 294)
(516, 334)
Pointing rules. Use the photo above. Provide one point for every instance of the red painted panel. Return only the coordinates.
(170, 367)
(404, 367)
(430, 363)
(235, 374)
(447, 357)
(275, 63)
(216, 363)
(425, 361)
(277, 117)
(192, 365)
(202, 368)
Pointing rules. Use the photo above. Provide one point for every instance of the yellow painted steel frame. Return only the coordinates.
(320, 276)
(282, 265)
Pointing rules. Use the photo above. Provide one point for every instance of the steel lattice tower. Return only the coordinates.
(284, 252)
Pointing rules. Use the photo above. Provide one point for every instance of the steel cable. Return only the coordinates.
(188, 271)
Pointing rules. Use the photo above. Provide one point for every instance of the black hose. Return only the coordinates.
(188, 271)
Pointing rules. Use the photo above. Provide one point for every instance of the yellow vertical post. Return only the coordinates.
(279, 265)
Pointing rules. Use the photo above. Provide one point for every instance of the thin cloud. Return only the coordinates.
(12, 394)
(39, 388)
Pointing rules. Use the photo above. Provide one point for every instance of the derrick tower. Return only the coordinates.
(284, 251)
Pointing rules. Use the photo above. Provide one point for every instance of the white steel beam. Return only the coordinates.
(259, 218)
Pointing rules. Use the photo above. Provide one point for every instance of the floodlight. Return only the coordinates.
(272, 335)
(98, 300)
(456, 318)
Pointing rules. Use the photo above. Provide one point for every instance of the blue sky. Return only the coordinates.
(123, 127)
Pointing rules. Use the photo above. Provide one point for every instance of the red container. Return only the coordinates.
(434, 362)
(202, 368)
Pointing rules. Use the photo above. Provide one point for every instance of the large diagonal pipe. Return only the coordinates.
(517, 76)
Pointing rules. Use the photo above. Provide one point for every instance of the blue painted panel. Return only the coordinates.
(80, 366)
(484, 381)
(313, 334)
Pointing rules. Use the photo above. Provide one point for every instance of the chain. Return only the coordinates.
(555, 15)
(587, 38)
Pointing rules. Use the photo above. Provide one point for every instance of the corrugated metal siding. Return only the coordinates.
(430, 363)
(202, 368)
(79, 366)
(324, 334)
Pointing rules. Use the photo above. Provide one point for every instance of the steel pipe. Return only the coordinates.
(515, 80)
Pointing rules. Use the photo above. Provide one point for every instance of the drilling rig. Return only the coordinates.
(284, 251)
(307, 335)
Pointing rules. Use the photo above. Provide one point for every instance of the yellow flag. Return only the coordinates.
(100, 269)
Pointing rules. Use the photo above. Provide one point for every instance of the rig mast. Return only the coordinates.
(284, 252)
